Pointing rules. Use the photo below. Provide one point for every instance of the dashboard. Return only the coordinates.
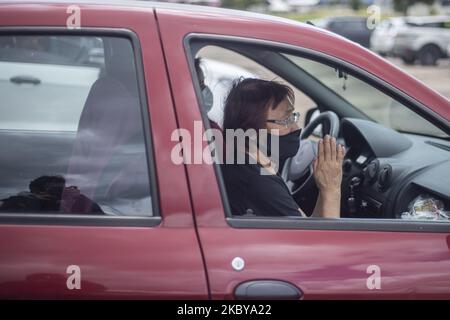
(384, 171)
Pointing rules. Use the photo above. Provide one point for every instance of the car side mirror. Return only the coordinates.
(311, 114)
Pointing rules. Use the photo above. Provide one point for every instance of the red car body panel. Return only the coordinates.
(324, 264)
(173, 259)
(120, 262)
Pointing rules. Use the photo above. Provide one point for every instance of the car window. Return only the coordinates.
(64, 50)
(350, 25)
(375, 104)
(46, 66)
(349, 97)
(71, 129)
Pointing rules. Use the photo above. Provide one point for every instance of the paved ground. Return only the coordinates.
(436, 77)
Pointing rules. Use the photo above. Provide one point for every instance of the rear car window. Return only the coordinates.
(71, 128)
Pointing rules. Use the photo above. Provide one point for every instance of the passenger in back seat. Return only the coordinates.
(208, 97)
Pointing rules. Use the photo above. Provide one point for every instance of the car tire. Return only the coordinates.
(429, 55)
(408, 60)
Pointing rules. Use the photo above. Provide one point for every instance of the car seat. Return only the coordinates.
(110, 135)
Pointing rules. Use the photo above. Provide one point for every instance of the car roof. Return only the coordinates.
(165, 5)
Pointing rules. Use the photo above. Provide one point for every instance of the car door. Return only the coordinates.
(91, 205)
(297, 258)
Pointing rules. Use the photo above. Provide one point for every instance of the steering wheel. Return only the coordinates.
(295, 168)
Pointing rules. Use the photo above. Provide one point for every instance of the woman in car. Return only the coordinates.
(255, 187)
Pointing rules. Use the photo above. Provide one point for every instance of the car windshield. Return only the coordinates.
(369, 100)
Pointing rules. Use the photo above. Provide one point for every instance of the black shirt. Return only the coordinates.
(249, 191)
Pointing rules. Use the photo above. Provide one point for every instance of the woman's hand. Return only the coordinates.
(328, 175)
(328, 165)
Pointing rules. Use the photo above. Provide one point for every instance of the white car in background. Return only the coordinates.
(425, 39)
(40, 67)
(383, 37)
(299, 5)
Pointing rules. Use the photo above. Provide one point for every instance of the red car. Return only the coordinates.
(93, 204)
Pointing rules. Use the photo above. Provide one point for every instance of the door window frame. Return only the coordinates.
(298, 223)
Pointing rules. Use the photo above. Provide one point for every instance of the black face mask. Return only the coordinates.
(288, 145)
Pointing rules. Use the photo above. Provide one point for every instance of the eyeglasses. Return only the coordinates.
(293, 118)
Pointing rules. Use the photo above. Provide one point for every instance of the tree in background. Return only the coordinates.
(355, 4)
(403, 5)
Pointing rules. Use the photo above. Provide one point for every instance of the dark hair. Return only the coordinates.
(53, 185)
(249, 100)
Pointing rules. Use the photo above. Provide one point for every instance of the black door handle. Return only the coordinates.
(267, 289)
(25, 79)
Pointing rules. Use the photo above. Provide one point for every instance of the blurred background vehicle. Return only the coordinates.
(48, 66)
(425, 39)
(383, 37)
(353, 28)
(278, 6)
(445, 7)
